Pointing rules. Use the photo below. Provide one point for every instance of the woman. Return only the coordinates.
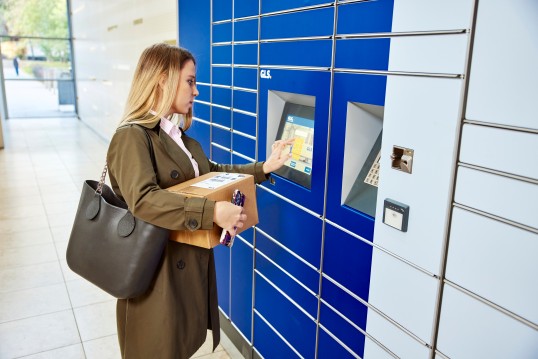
(172, 318)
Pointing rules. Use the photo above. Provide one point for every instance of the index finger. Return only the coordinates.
(287, 142)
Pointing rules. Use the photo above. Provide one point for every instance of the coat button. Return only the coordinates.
(193, 223)
(180, 264)
(174, 174)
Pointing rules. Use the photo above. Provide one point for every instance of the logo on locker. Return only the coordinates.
(265, 74)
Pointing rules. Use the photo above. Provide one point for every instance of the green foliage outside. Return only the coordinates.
(36, 18)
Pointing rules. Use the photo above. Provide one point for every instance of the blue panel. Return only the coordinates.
(200, 132)
(328, 348)
(220, 156)
(222, 116)
(344, 303)
(222, 265)
(297, 293)
(245, 101)
(244, 145)
(277, 5)
(343, 255)
(199, 45)
(245, 123)
(243, 8)
(290, 226)
(246, 54)
(222, 10)
(268, 343)
(298, 329)
(365, 17)
(344, 331)
(222, 54)
(241, 273)
(305, 274)
(246, 78)
(297, 53)
(312, 83)
(298, 24)
(222, 96)
(246, 30)
(236, 160)
(202, 111)
(368, 89)
(222, 32)
(222, 75)
(247, 234)
(369, 54)
(204, 93)
(222, 137)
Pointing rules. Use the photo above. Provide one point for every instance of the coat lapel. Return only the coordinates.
(179, 157)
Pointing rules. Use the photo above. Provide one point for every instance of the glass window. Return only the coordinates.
(36, 58)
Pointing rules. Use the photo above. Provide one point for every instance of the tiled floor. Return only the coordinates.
(47, 311)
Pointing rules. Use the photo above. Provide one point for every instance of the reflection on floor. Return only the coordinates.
(47, 311)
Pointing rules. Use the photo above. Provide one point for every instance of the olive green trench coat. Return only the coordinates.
(171, 319)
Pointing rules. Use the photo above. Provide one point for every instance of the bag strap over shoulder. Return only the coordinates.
(99, 189)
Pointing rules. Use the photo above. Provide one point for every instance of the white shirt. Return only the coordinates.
(175, 133)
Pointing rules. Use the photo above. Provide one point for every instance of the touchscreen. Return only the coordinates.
(297, 122)
(302, 130)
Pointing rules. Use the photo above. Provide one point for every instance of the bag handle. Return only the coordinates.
(99, 189)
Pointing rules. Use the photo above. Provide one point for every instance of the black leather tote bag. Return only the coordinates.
(111, 248)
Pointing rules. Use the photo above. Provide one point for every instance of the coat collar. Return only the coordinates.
(179, 157)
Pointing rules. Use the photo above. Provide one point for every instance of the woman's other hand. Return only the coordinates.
(229, 216)
(278, 155)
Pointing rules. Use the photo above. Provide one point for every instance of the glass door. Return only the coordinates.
(35, 46)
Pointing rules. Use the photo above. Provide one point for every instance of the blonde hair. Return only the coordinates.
(160, 63)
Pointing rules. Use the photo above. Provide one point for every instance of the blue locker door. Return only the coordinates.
(307, 300)
(201, 133)
(220, 155)
(292, 227)
(199, 45)
(222, 10)
(306, 274)
(279, 5)
(222, 265)
(345, 255)
(243, 8)
(329, 348)
(268, 343)
(241, 286)
(365, 17)
(285, 317)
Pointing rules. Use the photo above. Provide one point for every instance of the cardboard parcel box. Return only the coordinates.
(216, 186)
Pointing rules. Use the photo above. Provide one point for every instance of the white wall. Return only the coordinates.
(107, 44)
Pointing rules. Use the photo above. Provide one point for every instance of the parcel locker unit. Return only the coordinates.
(351, 256)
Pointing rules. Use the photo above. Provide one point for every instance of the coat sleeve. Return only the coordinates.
(255, 169)
(133, 178)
